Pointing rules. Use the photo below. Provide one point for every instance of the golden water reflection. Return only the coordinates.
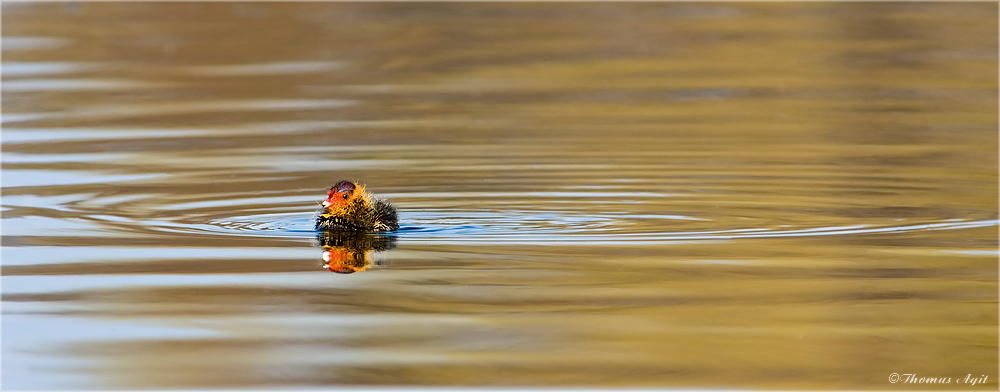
(705, 195)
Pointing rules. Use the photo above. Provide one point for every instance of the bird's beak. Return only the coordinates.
(327, 203)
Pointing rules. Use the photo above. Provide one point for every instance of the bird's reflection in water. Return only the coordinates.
(346, 252)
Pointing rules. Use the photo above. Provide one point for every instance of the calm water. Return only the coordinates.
(685, 195)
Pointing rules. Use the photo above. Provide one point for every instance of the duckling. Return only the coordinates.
(349, 208)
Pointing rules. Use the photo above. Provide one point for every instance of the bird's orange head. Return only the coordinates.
(341, 195)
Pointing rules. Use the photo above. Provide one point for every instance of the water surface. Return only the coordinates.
(667, 195)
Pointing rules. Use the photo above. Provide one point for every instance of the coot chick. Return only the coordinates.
(349, 208)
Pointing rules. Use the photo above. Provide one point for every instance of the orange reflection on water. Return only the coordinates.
(346, 252)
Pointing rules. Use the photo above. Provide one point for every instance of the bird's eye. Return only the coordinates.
(345, 196)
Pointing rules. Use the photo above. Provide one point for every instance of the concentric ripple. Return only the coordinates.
(561, 227)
